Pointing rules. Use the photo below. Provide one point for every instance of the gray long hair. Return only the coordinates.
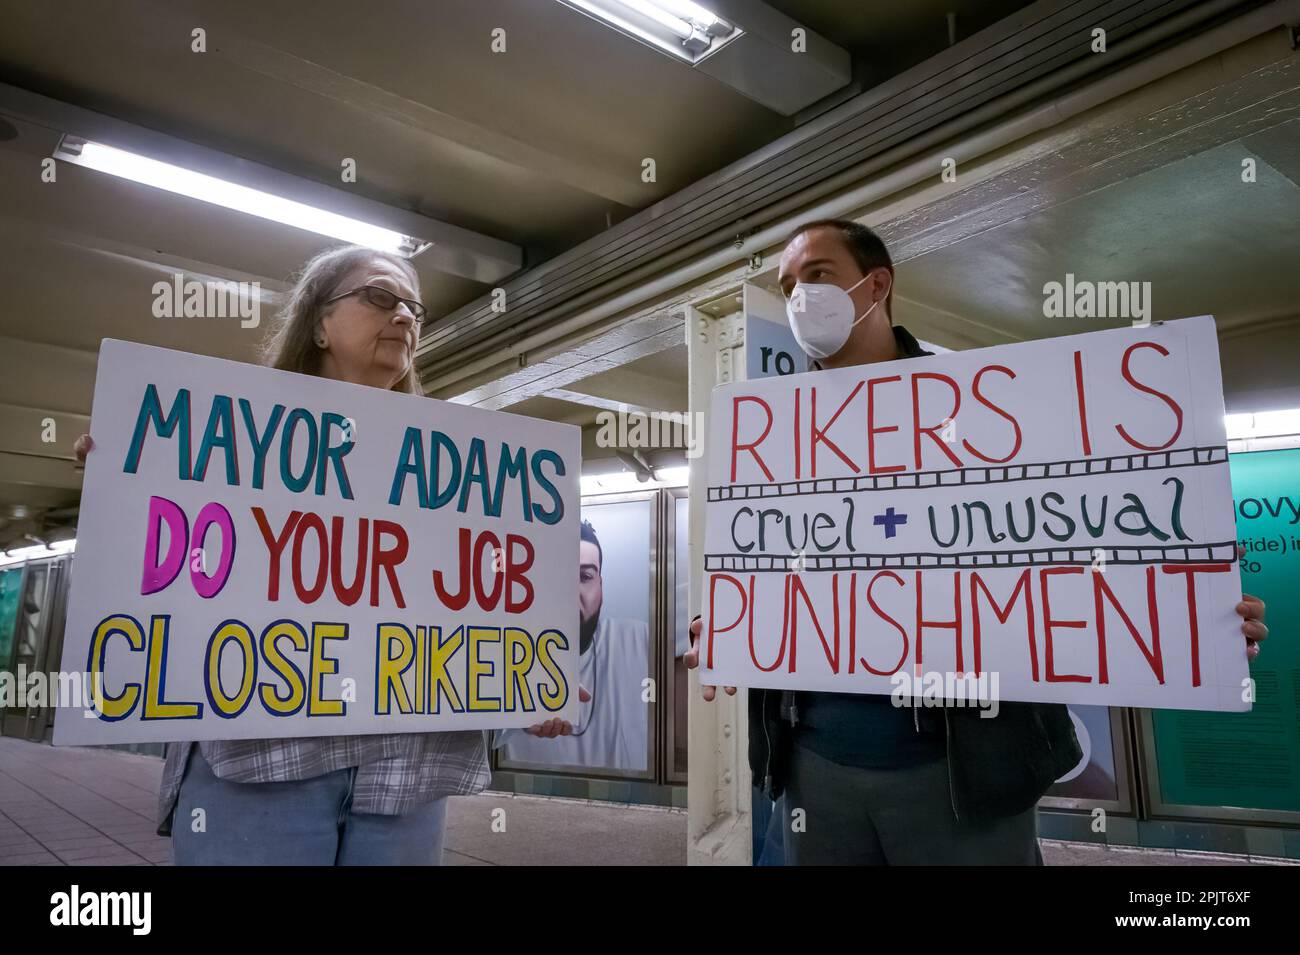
(292, 346)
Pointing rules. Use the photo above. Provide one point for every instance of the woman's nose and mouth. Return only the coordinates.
(404, 321)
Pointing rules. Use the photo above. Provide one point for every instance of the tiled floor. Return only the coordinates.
(81, 806)
(1080, 853)
(86, 806)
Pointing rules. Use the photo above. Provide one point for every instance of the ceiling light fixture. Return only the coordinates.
(264, 205)
(618, 482)
(21, 554)
(1263, 424)
(681, 28)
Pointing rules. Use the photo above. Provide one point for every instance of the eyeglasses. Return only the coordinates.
(386, 300)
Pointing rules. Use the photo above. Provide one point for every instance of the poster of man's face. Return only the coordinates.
(591, 592)
(614, 732)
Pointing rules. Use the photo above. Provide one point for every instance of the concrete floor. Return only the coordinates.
(87, 806)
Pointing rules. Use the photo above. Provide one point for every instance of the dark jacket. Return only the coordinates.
(997, 767)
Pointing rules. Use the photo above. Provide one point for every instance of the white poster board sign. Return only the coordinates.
(1055, 516)
(262, 554)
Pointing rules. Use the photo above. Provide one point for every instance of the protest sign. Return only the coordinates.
(263, 554)
(1053, 516)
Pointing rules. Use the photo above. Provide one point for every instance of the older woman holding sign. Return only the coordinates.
(354, 316)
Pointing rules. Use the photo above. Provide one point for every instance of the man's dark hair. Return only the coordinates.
(864, 245)
(588, 533)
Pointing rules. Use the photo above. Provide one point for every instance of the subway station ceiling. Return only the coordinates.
(538, 146)
(526, 152)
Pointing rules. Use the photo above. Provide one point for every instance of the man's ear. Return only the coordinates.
(883, 280)
(888, 300)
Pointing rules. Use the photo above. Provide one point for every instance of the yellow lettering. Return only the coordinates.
(114, 707)
(440, 682)
(292, 676)
(389, 678)
(552, 699)
(322, 666)
(479, 668)
(235, 631)
(155, 708)
(517, 667)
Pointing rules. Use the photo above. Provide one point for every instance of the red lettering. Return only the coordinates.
(797, 589)
(1190, 570)
(1083, 403)
(348, 594)
(744, 605)
(388, 560)
(1173, 405)
(785, 624)
(516, 573)
(975, 390)
(736, 447)
(1099, 590)
(1004, 614)
(819, 434)
(275, 547)
(917, 430)
(954, 625)
(1049, 625)
(872, 430)
(883, 616)
(310, 594)
(488, 600)
(798, 464)
(459, 599)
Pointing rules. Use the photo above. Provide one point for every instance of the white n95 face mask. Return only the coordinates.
(821, 316)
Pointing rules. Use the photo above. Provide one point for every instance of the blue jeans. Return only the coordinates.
(304, 822)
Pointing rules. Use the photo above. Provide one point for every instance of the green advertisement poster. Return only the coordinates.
(1250, 760)
(11, 582)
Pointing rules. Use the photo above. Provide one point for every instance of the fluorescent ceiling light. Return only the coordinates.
(619, 481)
(674, 477)
(661, 16)
(684, 29)
(264, 205)
(1263, 424)
(20, 554)
(689, 11)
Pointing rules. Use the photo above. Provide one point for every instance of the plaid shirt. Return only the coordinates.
(395, 771)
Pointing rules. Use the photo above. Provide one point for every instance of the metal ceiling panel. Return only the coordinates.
(1033, 45)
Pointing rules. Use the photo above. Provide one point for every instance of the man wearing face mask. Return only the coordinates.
(876, 781)
(879, 784)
